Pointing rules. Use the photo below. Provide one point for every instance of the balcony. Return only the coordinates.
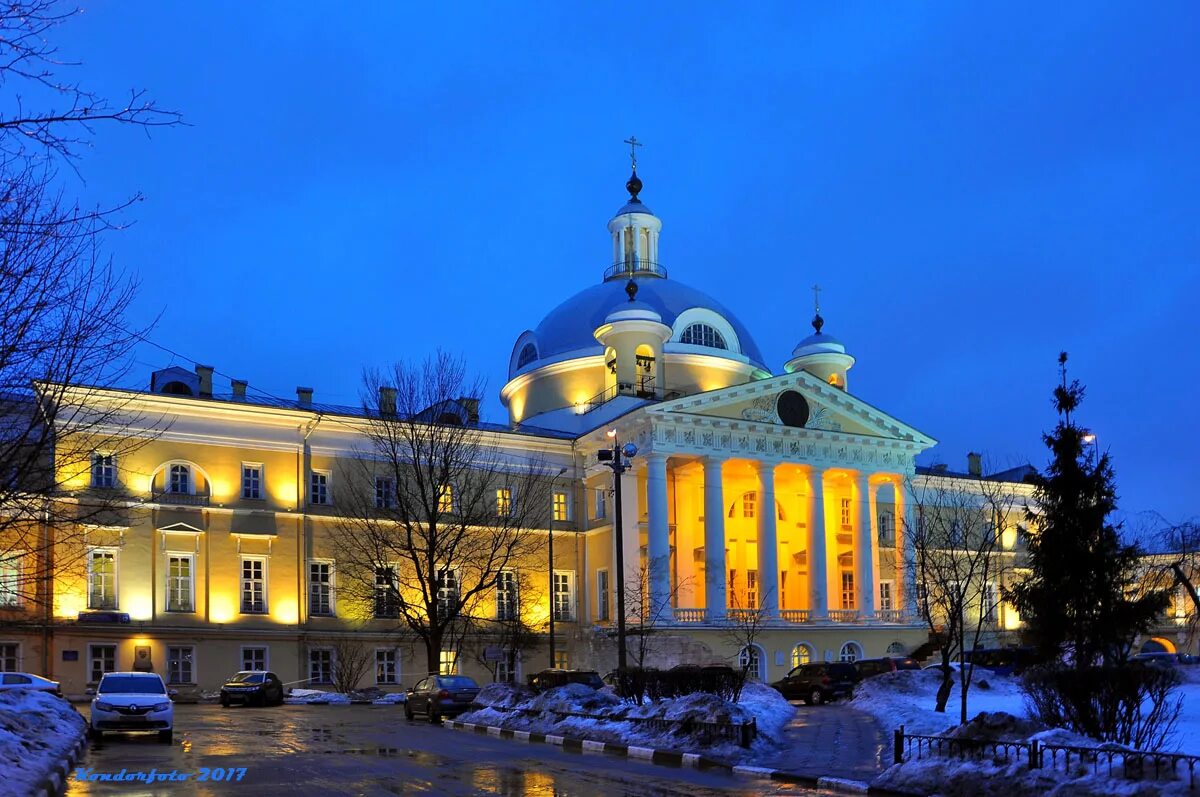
(179, 499)
(843, 615)
(787, 617)
(634, 268)
(690, 615)
(890, 616)
(795, 615)
(643, 389)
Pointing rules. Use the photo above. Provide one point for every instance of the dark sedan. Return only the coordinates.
(441, 696)
(253, 688)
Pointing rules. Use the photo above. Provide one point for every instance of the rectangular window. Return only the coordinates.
(385, 492)
(782, 589)
(886, 529)
(10, 579)
(320, 589)
(318, 493)
(179, 665)
(885, 596)
(601, 504)
(923, 600)
(102, 579)
(845, 505)
(749, 504)
(448, 664)
(386, 671)
(320, 666)
(254, 658)
(181, 480)
(561, 660)
(751, 589)
(10, 657)
(254, 585)
(180, 582)
(104, 470)
(506, 595)
(506, 671)
(560, 506)
(387, 599)
(446, 498)
(602, 595)
(101, 659)
(447, 592)
(991, 602)
(252, 481)
(504, 502)
(849, 600)
(564, 595)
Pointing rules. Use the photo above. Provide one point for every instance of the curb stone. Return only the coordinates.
(678, 759)
(55, 783)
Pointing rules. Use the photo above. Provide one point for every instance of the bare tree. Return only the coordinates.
(958, 563)
(1173, 566)
(646, 611)
(744, 626)
(436, 508)
(352, 660)
(514, 627)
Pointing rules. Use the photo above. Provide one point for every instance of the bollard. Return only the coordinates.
(1035, 754)
(898, 745)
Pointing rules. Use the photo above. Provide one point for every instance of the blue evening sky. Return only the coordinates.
(976, 186)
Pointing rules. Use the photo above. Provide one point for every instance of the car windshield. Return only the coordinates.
(131, 685)
(247, 678)
(456, 682)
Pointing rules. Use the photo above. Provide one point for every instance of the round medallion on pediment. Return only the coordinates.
(792, 408)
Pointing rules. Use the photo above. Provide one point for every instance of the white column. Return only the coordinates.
(864, 551)
(768, 541)
(714, 540)
(818, 565)
(908, 552)
(658, 544)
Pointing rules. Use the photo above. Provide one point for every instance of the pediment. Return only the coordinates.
(181, 528)
(799, 401)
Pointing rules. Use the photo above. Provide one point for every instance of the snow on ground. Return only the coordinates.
(36, 730)
(519, 709)
(390, 699)
(316, 697)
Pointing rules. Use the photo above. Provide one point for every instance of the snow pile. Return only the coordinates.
(907, 698)
(37, 729)
(609, 719)
(316, 697)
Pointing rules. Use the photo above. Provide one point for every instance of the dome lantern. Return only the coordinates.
(821, 355)
(634, 230)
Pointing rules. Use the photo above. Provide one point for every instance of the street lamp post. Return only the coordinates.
(616, 459)
(550, 548)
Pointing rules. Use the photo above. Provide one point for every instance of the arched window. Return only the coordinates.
(703, 335)
(801, 654)
(528, 354)
(748, 507)
(751, 659)
(896, 649)
(851, 651)
(180, 479)
(177, 388)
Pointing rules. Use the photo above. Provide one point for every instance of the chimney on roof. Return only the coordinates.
(304, 396)
(239, 389)
(471, 405)
(205, 373)
(974, 464)
(387, 401)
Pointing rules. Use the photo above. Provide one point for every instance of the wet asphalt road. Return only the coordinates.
(372, 750)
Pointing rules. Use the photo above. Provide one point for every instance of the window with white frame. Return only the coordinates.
(506, 669)
(885, 596)
(504, 504)
(446, 498)
(180, 665)
(851, 651)
(849, 599)
(749, 504)
(447, 592)
(318, 493)
(254, 658)
(10, 578)
(320, 588)
(562, 660)
(559, 509)
(922, 599)
(564, 595)
(181, 581)
(387, 599)
(387, 671)
(320, 665)
(448, 663)
(252, 481)
(101, 659)
(506, 595)
(752, 589)
(254, 585)
(602, 597)
(845, 512)
(180, 479)
(102, 578)
(601, 504)
(801, 654)
(887, 529)
(703, 335)
(991, 602)
(104, 470)
(385, 492)
(10, 657)
(750, 659)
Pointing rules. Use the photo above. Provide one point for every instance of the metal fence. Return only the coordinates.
(1112, 761)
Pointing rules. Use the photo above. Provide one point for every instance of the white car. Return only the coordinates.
(132, 701)
(25, 680)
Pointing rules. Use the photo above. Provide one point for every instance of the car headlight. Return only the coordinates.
(105, 706)
(161, 707)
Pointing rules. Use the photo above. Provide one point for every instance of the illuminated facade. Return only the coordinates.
(751, 490)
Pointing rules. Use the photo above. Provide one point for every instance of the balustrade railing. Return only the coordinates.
(890, 615)
(690, 615)
(843, 615)
(795, 615)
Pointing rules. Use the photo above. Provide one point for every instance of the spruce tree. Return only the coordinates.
(1081, 602)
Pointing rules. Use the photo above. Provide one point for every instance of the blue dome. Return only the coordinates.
(570, 326)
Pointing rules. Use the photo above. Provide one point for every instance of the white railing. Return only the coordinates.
(795, 615)
(843, 615)
(690, 615)
(740, 615)
(891, 615)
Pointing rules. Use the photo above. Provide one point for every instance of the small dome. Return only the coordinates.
(633, 311)
(820, 343)
(634, 206)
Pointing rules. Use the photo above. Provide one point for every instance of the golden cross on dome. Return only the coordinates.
(633, 145)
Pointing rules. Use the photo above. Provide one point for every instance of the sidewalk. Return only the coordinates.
(832, 741)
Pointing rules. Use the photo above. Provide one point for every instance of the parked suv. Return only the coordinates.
(550, 679)
(870, 667)
(132, 701)
(253, 687)
(817, 683)
(440, 696)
